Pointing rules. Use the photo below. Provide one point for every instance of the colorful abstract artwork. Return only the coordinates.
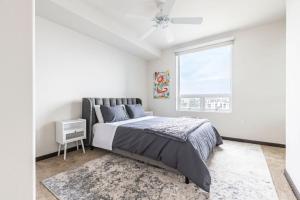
(161, 85)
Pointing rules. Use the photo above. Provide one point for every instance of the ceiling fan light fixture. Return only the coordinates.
(161, 21)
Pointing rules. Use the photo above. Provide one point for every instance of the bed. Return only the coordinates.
(141, 139)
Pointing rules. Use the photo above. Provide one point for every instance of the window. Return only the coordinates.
(204, 79)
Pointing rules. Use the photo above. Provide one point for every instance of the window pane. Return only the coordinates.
(205, 79)
(217, 103)
(190, 103)
(206, 71)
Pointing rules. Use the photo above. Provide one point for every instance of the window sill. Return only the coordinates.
(204, 111)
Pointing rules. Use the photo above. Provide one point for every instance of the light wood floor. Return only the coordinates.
(275, 158)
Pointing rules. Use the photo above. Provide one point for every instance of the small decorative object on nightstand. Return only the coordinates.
(70, 131)
(149, 113)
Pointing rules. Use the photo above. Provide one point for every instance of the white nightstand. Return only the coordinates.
(149, 113)
(70, 131)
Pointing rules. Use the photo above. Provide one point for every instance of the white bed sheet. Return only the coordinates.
(104, 133)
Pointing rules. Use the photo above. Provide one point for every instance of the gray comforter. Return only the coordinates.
(186, 151)
(175, 128)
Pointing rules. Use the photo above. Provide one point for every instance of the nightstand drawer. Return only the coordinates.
(72, 126)
(75, 134)
(73, 130)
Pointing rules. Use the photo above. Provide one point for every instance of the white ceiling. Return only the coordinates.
(108, 21)
(219, 16)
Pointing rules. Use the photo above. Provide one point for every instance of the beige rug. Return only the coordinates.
(239, 172)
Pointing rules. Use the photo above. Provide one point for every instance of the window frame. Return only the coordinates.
(202, 96)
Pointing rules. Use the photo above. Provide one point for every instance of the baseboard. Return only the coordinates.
(50, 155)
(291, 183)
(255, 142)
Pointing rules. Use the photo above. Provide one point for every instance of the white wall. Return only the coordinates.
(293, 91)
(16, 119)
(258, 85)
(70, 66)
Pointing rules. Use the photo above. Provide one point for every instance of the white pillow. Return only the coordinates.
(99, 113)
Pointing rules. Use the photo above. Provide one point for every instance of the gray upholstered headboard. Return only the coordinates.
(88, 111)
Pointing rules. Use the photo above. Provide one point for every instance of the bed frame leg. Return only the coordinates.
(187, 181)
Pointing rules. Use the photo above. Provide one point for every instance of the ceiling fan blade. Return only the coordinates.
(167, 6)
(147, 33)
(187, 20)
(169, 35)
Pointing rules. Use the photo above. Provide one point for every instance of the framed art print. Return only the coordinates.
(161, 85)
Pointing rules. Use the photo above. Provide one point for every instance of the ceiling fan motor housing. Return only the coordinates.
(161, 21)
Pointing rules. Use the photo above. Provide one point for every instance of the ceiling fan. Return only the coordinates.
(161, 20)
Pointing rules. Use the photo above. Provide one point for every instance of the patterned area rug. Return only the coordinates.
(239, 172)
